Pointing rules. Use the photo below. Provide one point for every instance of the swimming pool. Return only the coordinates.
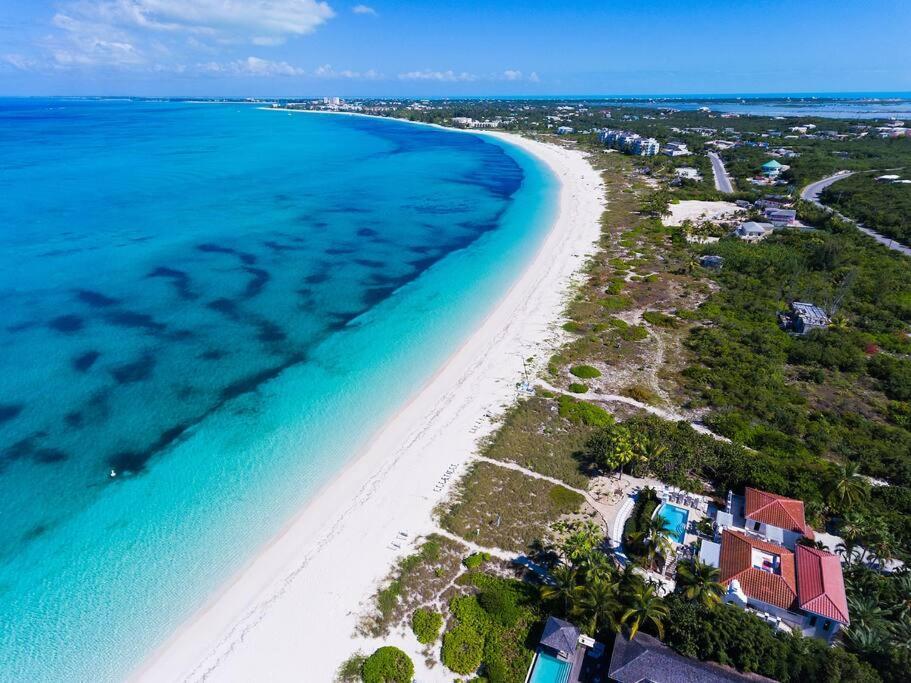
(549, 669)
(676, 521)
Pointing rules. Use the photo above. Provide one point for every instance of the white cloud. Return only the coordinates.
(216, 17)
(251, 66)
(512, 75)
(363, 9)
(428, 75)
(19, 61)
(156, 34)
(533, 77)
(326, 71)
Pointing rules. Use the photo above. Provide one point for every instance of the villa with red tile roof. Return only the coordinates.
(788, 584)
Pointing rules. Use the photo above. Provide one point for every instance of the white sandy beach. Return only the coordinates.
(290, 615)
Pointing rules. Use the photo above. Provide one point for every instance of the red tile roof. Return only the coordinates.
(820, 584)
(736, 562)
(769, 508)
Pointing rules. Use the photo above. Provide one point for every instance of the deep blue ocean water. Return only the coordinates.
(220, 304)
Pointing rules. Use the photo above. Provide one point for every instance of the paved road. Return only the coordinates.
(811, 194)
(722, 179)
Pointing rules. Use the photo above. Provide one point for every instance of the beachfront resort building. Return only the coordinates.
(630, 143)
(564, 130)
(803, 318)
(762, 553)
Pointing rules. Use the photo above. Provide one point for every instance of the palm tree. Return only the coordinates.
(700, 583)
(900, 630)
(848, 488)
(851, 528)
(596, 603)
(645, 606)
(563, 588)
(884, 549)
(658, 537)
(864, 639)
(865, 612)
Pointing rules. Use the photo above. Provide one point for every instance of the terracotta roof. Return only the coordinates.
(737, 563)
(820, 584)
(769, 508)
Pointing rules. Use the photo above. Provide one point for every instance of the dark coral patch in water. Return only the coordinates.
(212, 354)
(279, 247)
(317, 278)
(132, 319)
(258, 280)
(269, 332)
(339, 251)
(10, 411)
(374, 295)
(367, 232)
(95, 299)
(134, 462)
(137, 371)
(73, 419)
(48, 456)
(223, 306)
(210, 248)
(369, 263)
(66, 323)
(252, 382)
(84, 361)
(179, 279)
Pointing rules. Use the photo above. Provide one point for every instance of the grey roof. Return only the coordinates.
(810, 313)
(560, 635)
(648, 659)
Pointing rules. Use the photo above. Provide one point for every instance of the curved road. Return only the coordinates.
(811, 194)
(722, 179)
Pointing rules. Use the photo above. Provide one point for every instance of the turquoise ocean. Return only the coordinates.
(220, 305)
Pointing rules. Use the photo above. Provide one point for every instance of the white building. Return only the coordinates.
(676, 149)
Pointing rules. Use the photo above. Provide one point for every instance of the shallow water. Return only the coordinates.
(219, 304)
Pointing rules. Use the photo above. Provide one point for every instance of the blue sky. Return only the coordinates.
(445, 47)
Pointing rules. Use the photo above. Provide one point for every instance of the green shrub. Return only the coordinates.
(564, 498)
(634, 333)
(578, 388)
(586, 413)
(463, 645)
(659, 319)
(641, 393)
(573, 327)
(351, 669)
(616, 302)
(585, 371)
(476, 560)
(426, 625)
(388, 665)
(388, 598)
(501, 602)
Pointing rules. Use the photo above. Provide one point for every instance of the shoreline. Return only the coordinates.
(310, 583)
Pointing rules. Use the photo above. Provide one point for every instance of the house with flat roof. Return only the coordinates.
(676, 149)
(780, 217)
(761, 552)
(646, 658)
